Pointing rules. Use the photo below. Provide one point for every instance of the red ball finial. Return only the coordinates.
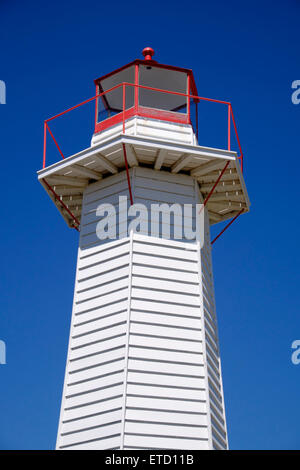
(148, 52)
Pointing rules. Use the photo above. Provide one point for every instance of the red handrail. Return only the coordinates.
(196, 99)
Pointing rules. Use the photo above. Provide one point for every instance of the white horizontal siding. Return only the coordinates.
(166, 392)
(91, 422)
(95, 384)
(163, 354)
(95, 349)
(94, 396)
(164, 442)
(154, 429)
(92, 408)
(170, 378)
(163, 416)
(159, 366)
(112, 442)
(166, 343)
(140, 308)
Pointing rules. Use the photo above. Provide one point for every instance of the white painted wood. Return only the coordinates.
(90, 434)
(95, 396)
(95, 384)
(159, 159)
(166, 417)
(85, 172)
(143, 367)
(92, 421)
(131, 156)
(92, 408)
(169, 379)
(137, 427)
(106, 163)
(166, 343)
(107, 443)
(135, 441)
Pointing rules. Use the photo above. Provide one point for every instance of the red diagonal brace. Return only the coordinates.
(58, 147)
(214, 187)
(127, 173)
(63, 204)
(228, 225)
(216, 183)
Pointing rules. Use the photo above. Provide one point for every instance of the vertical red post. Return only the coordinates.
(45, 137)
(96, 107)
(188, 99)
(124, 104)
(136, 89)
(197, 128)
(229, 126)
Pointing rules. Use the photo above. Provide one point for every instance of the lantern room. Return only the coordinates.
(147, 89)
(146, 115)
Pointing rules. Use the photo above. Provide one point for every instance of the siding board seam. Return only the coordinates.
(127, 335)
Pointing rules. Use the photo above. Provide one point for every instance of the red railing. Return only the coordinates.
(136, 109)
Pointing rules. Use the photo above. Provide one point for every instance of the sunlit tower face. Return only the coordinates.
(143, 367)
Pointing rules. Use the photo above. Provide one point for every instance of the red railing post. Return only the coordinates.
(136, 109)
(96, 108)
(197, 127)
(45, 144)
(188, 100)
(136, 89)
(229, 127)
(124, 104)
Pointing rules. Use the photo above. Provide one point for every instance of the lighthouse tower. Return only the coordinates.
(143, 367)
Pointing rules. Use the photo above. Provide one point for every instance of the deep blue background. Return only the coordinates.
(244, 52)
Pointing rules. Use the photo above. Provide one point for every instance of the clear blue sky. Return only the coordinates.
(244, 52)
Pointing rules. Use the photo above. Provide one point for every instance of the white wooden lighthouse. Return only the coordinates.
(143, 368)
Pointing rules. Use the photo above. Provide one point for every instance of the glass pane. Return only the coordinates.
(163, 101)
(111, 103)
(163, 79)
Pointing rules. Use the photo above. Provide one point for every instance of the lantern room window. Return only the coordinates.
(111, 102)
(147, 89)
(163, 79)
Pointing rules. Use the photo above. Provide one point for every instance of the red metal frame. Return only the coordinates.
(137, 110)
(136, 90)
(55, 141)
(127, 173)
(64, 205)
(142, 111)
(241, 157)
(188, 99)
(227, 226)
(215, 185)
(228, 127)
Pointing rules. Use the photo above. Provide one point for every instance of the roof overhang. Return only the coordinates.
(68, 178)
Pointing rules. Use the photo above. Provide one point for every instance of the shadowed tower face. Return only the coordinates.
(143, 367)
